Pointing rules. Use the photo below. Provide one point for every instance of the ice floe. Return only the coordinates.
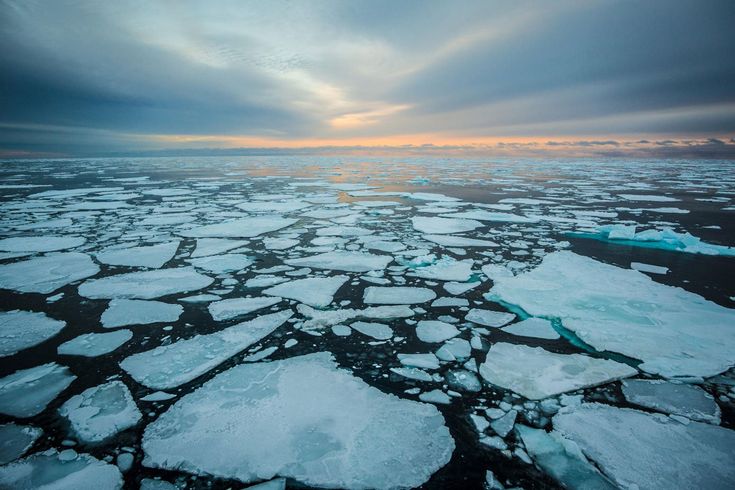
(673, 398)
(234, 307)
(153, 256)
(145, 284)
(42, 243)
(378, 331)
(434, 225)
(15, 440)
(446, 269)
(23, 329)
(346, 434)
(240, 228)
(435, 331)
(123, 312)
(536, 373)
(26, 393)
(215, 246)
(95, 344)
(539, 328)
(313, 291)
(343, 260)
(400, 295)
(489, 318)
(53, 470)
(48, 273)
(218, 264)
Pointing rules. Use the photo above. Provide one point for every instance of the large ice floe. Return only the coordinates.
(26, 393)
(650, 451)
(95, 344)
(153, 256)
(101, 412)
(300, 418)
(234, 307)
(146, 284)
(674, 332)
(53, 470)
(23, 329)
(400, 295)
(40, 243)
(665, 239)
(47, 273)
(169, 366)
(122, 312)
(313, 291)
(240, 228)
(343, 260)
(536, 373)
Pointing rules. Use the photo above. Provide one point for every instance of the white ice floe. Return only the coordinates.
(423, 361)
(458, 288)
(651, 269)
(536, 373)
(153, 256)
(343, 260)
(454, 350)
(435, 331)
(562, 459)
(15, 440)
(101, 412)
(539, 328)
(489, 318)
(218, 264)
(272, 207)
(26, 393)
(674, 332)
(677, 399)
(377, 295)
(446, 269)
(23, 329)
(647, 197)
(434, 225)
(346, 434)
(95, 344)
(40, 243)
(641, 450)
(279, 243)
(48, 273)
(169, 366)
(378, 331)
(665, 239)
(240, 228)
(123, 312)
(435, 396)
(459, 241)
(413, 373)
(327, 318)
(481, 215)
(228, 309)
(146, 284)
(215, 246)
(449, 302)
(65, 470)
(313, 291)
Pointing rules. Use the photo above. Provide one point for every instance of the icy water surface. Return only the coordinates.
(367, 323)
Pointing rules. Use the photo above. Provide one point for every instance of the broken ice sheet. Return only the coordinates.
(400, 295)
(26, 392)
(47, 273)
(313, 291)
(153, 256)
(60, 470)
(146, 284)
(343, 435)
(123, 312)
(23, 329)
(15, 440)
(673, 398)
(95, 344)
(234, 307)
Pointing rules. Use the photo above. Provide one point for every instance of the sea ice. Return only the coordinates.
(328, 318)
(435, 331)
(228, 309)
(539, 328)
(459, 241)
(674, 332)
(423, 361)
(651, 269)
(153, 256)
(343, 260)
(219, 264)
(101, 412)
(378, 331)
(434, 225)
(489, 318)
(123, 312)
(376, 295)
(647, 197)
(240, 228)
(446, 269)
(666, 239)
(40, 243)
(678, 399)
(146, 284)
(345, 434)
(536, 373)
(215, 246)
(169, 366)
(15, 440)
(67, 470)
(95, 344)
(313, 291)
(641, 450)
(23, 329)
(26, 393)
(48, 273)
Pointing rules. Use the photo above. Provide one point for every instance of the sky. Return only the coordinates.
(571, 77)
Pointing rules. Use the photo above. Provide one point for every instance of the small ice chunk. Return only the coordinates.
(313, 291)
(15, 440)
(647, 197)
(678, 399)
(463, 380)
(412, 373)
(503, 425)
(26, 393)
(539, 328)
(651, 269)
(154, 256)
(101, 412)
(146, 284)
(48, 273)
(397, 295)
(489, 318)
(343, 260)
(446, 269)
(123, 312)
(219, 264)
(350, 435)
(95, 344)
(341, 330)
(378, 331)
(435, 396)
(434, 225)
(327, 318)
(169, 366)
(536, 373)
(435, 331)
(51, 470)
(457, 288)
(424, 361)
(20, 330)
(228, 309)
(454, 350)
(449, 302)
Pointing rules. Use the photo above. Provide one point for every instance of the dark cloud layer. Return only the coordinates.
(85, 77)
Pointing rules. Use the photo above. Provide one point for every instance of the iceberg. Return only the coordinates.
(20, 330)
(146, 284)
(169, 366)
(674, 332)
(345, 434)
(536, 373)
